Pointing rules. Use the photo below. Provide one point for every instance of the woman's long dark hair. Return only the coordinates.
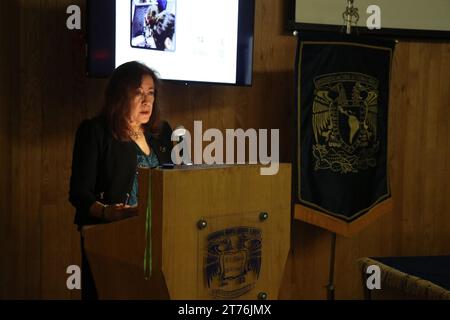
(122, 87)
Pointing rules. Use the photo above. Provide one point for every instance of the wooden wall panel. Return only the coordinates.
(48, 67)
(63, 109)
(8, 92)
(424, 125)
(26, 156)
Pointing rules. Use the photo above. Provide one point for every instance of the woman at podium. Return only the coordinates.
(109, 148)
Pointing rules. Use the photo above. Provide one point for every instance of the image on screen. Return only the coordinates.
(153, 24)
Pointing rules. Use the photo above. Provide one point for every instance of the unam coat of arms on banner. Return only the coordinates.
(345, 109)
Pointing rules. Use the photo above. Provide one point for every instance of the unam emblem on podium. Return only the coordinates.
(233, 261)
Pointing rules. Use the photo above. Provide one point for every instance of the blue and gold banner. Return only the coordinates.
(342, 128)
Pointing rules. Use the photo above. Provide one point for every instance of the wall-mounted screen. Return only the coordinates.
(207, 41)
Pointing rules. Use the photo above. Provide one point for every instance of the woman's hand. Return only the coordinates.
(118, 212)
(113, 212)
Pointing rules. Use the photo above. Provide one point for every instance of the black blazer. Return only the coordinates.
(103, 168)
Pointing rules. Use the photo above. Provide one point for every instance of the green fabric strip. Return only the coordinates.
(148, 232)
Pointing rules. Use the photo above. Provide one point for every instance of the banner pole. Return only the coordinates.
(330, 286)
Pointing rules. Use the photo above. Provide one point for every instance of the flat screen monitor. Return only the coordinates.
(208, 41)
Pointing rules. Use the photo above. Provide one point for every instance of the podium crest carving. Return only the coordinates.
(233, 261)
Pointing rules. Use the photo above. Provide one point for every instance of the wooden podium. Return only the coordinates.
(217, 232)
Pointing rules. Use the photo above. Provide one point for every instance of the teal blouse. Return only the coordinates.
(143, 161)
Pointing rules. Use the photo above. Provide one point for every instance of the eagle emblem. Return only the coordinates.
(344, 122)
